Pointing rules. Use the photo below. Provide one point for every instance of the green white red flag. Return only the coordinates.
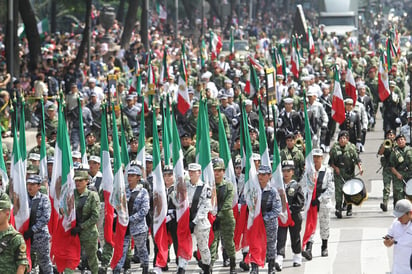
(338, 106)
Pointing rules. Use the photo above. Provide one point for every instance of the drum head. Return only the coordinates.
(408, 187)
(353, 187)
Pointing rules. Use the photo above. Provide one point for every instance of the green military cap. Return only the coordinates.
(32, 169)
(4, 201)
(363, 49)
(196, 104)
(81, 174)
(52, 107)
(215, 103)
(218, 163)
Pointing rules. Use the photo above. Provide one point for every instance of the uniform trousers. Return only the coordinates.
(294, 232)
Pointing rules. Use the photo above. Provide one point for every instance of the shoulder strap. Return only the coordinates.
(132, 198)
(195, 202)
(221, 195)
(319, 183)
(79, 208)
(33, 211)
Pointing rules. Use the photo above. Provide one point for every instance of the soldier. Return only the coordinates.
(363, 116)
(326, 100)
(36, 149)
(291, 152)
(372, 83)
(134, 145)
(125, 122)
(138, 205)
(320, 116)
(367, 102)
(92, 148)
(199, 196)
(96, 111)
(288, 122)
(406, 129)
(131, 111)
(324, 187)
(38, 232)
(270, 208)
(400, 163)
(224, 224)
(214, 121)
(385, 151)
(343, 159)
(51, 121)
(87, 215)
(352, 124)
(295, 201)
(391, 110)
(189, 151)
(13, 257)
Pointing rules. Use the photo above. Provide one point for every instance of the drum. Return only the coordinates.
(408, 190)
(354, 191)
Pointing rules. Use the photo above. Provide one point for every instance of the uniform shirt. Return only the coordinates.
(15, 253)
(90, 213)
(273, 202)
(204, 205)
(328, 186)
(295, 197)
(141, 205)
(296, 155)
(345, 158)
(42, 214)
(403, 249)
(401, 159)
(319, 113)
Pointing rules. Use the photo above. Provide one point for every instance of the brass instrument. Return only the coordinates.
(387, 143)
(299, 142)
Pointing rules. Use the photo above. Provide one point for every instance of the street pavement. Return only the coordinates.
(355, 243)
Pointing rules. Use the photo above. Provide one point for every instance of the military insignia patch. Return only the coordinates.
(209, 193)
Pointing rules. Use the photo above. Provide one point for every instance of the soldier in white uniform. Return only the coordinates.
(199, 195)
(363, 115)
(320, 115)
(325, 189)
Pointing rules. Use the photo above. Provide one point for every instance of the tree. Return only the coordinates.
(130, 22)
(86, 35)
(33, 37)
(120, 11)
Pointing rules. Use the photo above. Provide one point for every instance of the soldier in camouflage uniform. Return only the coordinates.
(36, 149)
(270, 207)
(292, 152)
(325, 187)
(131, 111)
(214, 121)
(92, 148)
(126, 125)
(138, 206)
(51, 121)
(224, 224)
(343, 159)
(189, 151)
(87, 215)
(38, 232)
(400, 163)
(372, 83)
(13, 257)
(385, 152)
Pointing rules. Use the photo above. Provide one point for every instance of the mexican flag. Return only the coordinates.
(124, 153)
(43, 154)
(338, 107)
(252, 85)
(81, 133)
(161, 11)
(164, 72)
(166, 130)
(231, 44)
(311, 43)
(136, 84)
(118, 198)
(42, 28)
(256, 233)
(65, 248)
(159, 203)
(215, 44)
(107, 179)
(263, 144)
(184, 236)
(141, 149)
(350, 85)
(204, 56)
(311, 212)
(183, 100)
(383, 79)
(294, 59)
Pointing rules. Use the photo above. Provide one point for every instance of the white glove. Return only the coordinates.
(283, 217)
(358, 146)
(280, 122)
(234, 122)
(398, 120)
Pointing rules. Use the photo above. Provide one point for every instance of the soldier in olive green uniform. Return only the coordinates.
(51, 121)
(224, 225)
(214, 121)
(92, 148)
(400, 163)
(126, 125)
(385, 151)
(87, 214)
(13, 257)
(343, 159)
(189, 151)
(292, 152)
(36, 149)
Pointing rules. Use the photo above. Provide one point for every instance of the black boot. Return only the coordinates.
(349, 210)
(206, 269)
(338, 212)
(225, 258)
(180, 271)
(145, 269)
(307, 254)
(324, 252)
(255, 269)
(232, 266)
(271, 266)
(243, 265)
(384, 206)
